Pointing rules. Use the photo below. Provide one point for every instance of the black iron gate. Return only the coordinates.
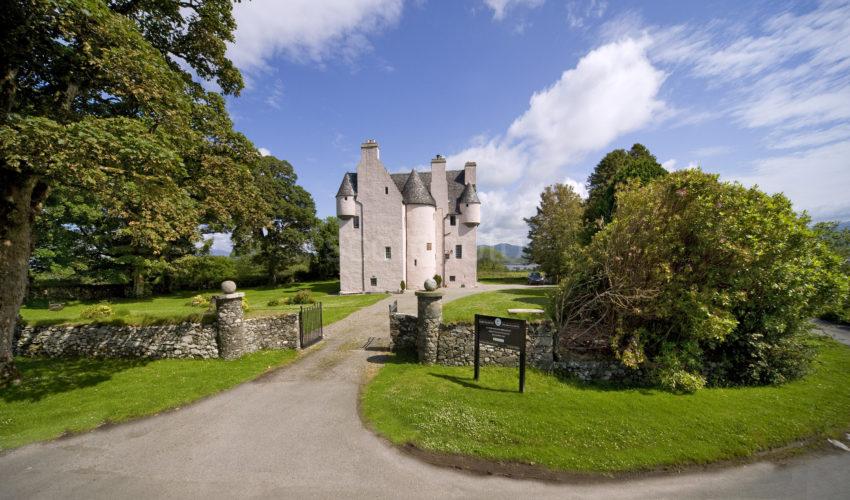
(311, 324)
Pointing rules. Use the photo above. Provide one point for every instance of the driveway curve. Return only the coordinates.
(296, 434)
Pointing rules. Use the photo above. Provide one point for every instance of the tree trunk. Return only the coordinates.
(22, 196)
(138, 283)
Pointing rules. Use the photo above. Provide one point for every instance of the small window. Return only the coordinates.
(388, 253)
(451, 278)
(427, 246)
(346, 198)
(374, 281)
(415, 262)
(458, 251)
(386, 190)
(448, 255)
(356, 222)
(452, 220)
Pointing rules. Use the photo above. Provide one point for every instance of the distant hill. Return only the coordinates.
(512, 252)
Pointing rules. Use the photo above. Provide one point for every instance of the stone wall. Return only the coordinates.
(272, 332)
(456, 347)
(183, 340)
(402, 332)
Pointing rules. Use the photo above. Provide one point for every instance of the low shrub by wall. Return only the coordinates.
(183, 340)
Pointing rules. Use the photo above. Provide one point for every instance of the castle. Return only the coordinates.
(407, 228)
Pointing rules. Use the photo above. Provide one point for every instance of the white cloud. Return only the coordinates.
(578, 13)
(612, 90)
(221, 243)
(306, 30)
(669, 165)
(816, 180)
(501, 7)
(811, 138)
(275, 96)
(264, 151)
(579, 187)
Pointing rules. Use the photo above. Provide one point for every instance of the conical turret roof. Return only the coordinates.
(469, 195)
(415, 192)
(346, 188)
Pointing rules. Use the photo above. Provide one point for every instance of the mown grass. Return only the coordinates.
(503, 277)
(175, 308)
(497, 303)
(63, 396)
(570, 426)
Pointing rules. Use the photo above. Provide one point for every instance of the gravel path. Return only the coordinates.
(296, 433)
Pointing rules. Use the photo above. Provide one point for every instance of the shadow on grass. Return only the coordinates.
(46, 377)
(467, 382)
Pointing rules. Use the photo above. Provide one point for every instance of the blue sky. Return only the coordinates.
(537, 91)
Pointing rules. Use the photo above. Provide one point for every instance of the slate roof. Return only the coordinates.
(454, 182)
(348, 185)
(469, 195)
(414, 191)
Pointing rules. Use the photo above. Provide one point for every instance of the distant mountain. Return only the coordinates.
(512, 252)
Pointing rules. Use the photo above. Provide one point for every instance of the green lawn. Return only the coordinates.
(570, 426)
(497, 303)
(59, 396)
(175, 308)
(503, 277)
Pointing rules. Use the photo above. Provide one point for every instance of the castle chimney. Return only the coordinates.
(439, 188)
(469, 173)
(369, 151)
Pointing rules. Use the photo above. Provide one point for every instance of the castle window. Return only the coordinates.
(458, 251)
(388, 253)
(451, 278)
(415, 262)
(452, 220)
(448, 255)
(374, 281)
(356, 222)
(427, 246)
(386, 190)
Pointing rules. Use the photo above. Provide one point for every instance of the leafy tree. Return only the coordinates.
(700, 281)
(554, 235)
(94, 97)
(616, 169)
(838, 240)
(491, 260)
(324, 262)
(279, 238)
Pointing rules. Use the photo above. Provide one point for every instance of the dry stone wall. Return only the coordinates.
(456, 347)
(184, 340)
(403, 332)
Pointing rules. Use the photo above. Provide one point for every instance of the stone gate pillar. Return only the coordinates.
(430, 309)
(229, 315)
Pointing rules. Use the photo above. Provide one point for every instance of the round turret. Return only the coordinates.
(421, 247)
(470, 206)
(345, 207)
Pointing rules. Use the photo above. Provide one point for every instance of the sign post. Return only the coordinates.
(501, 332)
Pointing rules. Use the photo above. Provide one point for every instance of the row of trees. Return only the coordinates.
(686, 279)
(116, 157)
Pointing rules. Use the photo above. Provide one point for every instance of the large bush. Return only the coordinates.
(700, 281)
(201, 272)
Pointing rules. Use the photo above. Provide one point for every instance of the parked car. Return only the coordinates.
(535, 278)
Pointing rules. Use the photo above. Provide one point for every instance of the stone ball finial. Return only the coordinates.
(430, 284)
(228, 286)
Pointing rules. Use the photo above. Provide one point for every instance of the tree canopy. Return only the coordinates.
(554, 234)
(97, 97)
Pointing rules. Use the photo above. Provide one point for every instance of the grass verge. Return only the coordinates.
(569, 426)
(503, 277)
(497, 303)
(176, 308)
(68, 396)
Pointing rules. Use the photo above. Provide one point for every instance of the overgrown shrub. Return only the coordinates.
(200, 301)
(97, 311)
(303, 297)
(282, 301)
(698, 280)
(402, 285)
(194, 272)
(439, 280)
